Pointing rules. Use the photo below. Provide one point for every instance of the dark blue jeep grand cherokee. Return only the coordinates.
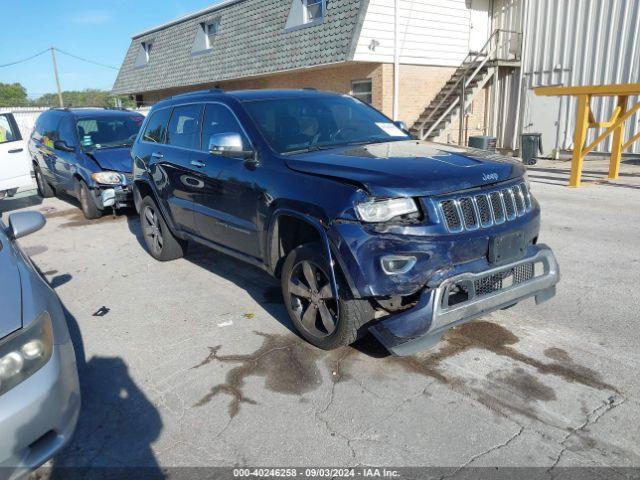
(367, 228)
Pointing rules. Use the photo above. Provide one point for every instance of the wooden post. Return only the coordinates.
(582, 123)
(616, 145)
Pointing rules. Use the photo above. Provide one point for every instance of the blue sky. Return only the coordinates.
(100, 31)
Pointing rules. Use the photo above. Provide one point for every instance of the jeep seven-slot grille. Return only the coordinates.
(486, 209)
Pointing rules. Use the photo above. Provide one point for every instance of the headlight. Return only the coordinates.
(385, 210)
(108, 178)
(24, 352)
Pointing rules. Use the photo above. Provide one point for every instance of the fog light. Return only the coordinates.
(397, 264)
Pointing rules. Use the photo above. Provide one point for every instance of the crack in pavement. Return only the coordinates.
(486, 452)
(591, 419)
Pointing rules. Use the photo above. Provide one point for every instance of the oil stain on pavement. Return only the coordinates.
(287, 364)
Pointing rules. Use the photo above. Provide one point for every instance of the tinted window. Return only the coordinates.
(184, 127)
(157, 126)
(108, 131)
(67, 131)
(7, 133)
(291, 124)
(49, 127)
(219, 119)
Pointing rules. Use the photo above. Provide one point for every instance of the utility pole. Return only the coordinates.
(55, 72)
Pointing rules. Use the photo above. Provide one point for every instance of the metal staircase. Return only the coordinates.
(465, 83)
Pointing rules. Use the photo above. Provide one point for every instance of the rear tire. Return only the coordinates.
(88, 205)
(44, 189)
(321, 319)
(160, 241)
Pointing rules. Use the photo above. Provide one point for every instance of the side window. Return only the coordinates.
(8, 130)
(67, 131)
(218, 120)
(157, 126)
(184, 127)
(50, 128)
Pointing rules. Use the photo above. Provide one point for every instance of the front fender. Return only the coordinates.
(272, 241)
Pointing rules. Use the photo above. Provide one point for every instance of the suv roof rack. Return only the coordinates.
(198, 92)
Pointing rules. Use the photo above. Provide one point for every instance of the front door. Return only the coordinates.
(226, 207)
(15, 167)
(66, 162)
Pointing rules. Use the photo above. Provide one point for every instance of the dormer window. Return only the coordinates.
(305, 13)
(144, 53)
(205, 36)
(314, 10)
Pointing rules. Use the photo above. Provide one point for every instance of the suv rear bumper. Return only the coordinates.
(422, 326)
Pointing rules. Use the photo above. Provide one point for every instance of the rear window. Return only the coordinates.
(157, 126)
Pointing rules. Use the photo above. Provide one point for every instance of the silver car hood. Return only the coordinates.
(10, 290)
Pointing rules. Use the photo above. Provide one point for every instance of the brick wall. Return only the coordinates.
(418, 86)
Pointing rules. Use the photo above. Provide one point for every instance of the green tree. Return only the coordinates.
(13, 95)
(83, 98)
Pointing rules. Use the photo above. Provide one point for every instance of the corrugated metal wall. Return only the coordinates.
(577, 42)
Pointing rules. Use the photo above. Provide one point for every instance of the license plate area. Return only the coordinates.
(506, 248)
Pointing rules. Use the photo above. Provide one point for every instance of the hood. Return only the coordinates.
(11, 296)
(117, 159)
(409, 168)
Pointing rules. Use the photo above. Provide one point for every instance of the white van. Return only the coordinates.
(15, 166)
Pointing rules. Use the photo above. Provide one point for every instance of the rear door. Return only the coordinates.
(15, 167)
(167, 167)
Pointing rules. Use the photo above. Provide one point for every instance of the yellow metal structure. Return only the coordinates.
(585, 120)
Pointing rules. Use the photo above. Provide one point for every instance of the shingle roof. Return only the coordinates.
(251, 41)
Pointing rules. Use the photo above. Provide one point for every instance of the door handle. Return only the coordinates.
(16, 150)
(157, 155)
(197, 163)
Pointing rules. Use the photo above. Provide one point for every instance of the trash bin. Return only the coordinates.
(483, 142)
(530, 146)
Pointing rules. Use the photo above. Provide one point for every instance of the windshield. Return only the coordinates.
(309, 123)
(108, 132)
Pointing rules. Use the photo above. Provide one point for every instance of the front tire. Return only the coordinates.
(88, 205)
(160, 241)
(319, 317)
(44, 189)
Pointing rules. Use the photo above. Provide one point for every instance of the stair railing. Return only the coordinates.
(474, 60)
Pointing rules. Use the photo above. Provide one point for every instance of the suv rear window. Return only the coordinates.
(157, 126)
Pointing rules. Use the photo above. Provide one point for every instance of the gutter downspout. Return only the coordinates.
(521, 95)
(396, 62)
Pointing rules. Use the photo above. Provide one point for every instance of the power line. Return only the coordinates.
(59, 51)
(84, 59)
(25, 59)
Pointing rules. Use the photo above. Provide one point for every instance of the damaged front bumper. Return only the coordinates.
(118, 197)
(465, 296)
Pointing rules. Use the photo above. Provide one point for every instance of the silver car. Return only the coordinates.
(39, 390)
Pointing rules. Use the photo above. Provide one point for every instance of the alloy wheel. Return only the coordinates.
(151, 229)
(312, 299)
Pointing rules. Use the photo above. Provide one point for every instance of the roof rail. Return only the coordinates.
(313, 89)
(198, 92)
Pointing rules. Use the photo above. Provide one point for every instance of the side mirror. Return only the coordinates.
(401, 125)
(25, 223)
(229, 145)
(62, 145)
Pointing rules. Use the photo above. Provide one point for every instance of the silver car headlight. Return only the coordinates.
(25, 352)
(377, 210)
(108, 178)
